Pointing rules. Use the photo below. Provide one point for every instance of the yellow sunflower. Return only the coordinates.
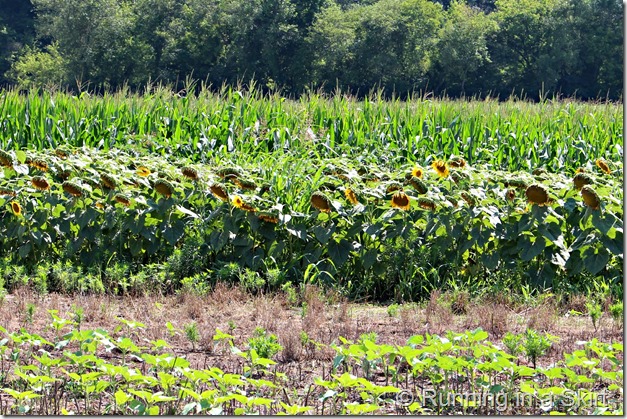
(16, 208)
(602, 164)
(351, 196)
(143, 171)
(417, 172)
(440, 167)
(400, 200)
(239, 203)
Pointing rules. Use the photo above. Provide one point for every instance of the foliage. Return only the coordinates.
(76, 374)
(532, 48)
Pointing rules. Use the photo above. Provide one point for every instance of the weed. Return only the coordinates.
(191, 333)
(266, 345)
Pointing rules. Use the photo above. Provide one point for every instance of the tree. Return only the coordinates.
(95, 37)
(17, 30)
(462, 48)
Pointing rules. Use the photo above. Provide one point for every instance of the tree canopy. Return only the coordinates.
(530, 48)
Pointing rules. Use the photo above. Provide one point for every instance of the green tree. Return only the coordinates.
(96, 39)
(462, 49)
(36, 68)
(17, 29)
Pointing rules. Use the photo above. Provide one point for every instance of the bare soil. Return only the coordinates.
(325, 318)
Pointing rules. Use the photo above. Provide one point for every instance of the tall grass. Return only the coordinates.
(511, 135)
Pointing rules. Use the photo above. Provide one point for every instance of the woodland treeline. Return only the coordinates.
(473, 48)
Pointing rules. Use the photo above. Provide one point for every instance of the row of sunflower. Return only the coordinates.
(89, 206)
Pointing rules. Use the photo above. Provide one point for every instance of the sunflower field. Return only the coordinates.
(383, 200)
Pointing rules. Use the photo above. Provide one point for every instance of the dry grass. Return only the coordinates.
(323, 320)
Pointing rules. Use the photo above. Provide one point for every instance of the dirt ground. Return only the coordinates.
(324, 319)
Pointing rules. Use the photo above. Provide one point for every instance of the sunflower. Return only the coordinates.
(590, 197)
(539, 171)
(229, 173)
(16, 208)
(602, 164)
(351, 196)
(143, 171)
(440, 167)
(320, 201)
(268, 218)
(5, 191)
(517, 183)
(245, 184)
(580, 170)
(418, 185)
(61, 152)
(219, 191)
(537, 194)
(470, 200)
(417, 172)
(241, 204)
(40, 183)
(107, 181)
(457, 162)
(400, 200)
(72, 188)
(581, 179)
(122, 199)
(163, 187)
(393, 187)
(5, 159)
(426, 203)
(511, 194)
(190, 173)
(39, 164)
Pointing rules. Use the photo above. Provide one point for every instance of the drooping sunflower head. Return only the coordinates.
(470, 200)
(457, 162)
(219, 191)
(590, 197)
(426, 203)
(62, 152)
(72, 188)
(239, 202)
(400, 200)
(40, 182)
(440, 167)
(539, 171)
(142, 171)
(517, 183)
(164, 187)
(7, 191)
(320, 202)
(245, 184)
(393, 187)
(40, 164)
(122, 199)
(190, 173)
(581, 179)
(417, 172)
(511, 194)
(107, 181)
(5, 159)
(418, 185)
(537, 194)
(268, 218)
(602, 164)
(229, 173)
(351, 196)
(16, 208)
